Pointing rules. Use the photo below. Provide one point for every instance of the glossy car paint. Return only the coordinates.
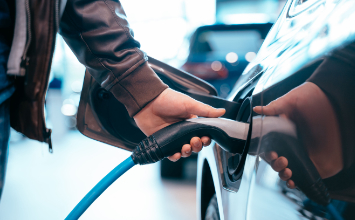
(303, 34)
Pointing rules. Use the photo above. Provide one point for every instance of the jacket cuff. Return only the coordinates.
(138, 88)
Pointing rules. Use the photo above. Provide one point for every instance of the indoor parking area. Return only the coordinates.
(177, 110)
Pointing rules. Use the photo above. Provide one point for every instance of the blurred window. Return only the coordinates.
(223, 42)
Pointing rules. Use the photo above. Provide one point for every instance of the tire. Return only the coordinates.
(212, 212)
(171, 170)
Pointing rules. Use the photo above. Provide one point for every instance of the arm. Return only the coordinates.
(336, 78)
(99, 35)
(323, 108)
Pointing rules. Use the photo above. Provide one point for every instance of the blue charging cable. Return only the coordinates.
(334, 213)
(100, 187)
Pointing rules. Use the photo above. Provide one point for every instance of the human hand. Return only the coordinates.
(318, 130)
(171, 107)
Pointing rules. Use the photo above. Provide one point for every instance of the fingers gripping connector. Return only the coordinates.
(147, 151)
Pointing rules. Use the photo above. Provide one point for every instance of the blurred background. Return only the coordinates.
(212, 39)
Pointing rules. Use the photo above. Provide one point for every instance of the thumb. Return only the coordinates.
(276, 107)
(258, 109)
(200, 109)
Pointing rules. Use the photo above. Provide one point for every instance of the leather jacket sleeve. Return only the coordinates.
(335, 76)
(98, 33)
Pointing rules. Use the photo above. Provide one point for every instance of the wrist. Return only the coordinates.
(138, 89)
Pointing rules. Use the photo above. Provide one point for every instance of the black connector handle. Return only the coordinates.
(280, 135)
(230, 135)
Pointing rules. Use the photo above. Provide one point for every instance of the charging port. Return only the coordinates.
(233, 164)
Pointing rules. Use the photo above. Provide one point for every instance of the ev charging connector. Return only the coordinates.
(231, 135)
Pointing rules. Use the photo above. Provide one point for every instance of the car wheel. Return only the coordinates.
(212, 212)
(170, 169)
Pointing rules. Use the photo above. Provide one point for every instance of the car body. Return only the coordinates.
(304, 34)
(244, 185)
(219, 53)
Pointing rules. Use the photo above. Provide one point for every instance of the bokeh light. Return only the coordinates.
(231, 57)
(216, 65)
(250, 56)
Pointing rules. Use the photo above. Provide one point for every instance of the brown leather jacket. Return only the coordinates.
(98, 33)
(335, 76)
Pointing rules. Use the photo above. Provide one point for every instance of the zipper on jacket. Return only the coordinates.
(57, 9)
(49, 140)
(25, 60)
(48, 132)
